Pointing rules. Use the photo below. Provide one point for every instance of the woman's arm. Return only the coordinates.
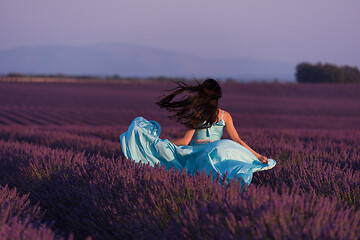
(186, 139)
(229, 125)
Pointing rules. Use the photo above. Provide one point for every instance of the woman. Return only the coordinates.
(196, 107)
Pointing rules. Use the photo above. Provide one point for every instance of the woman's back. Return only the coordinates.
(213, 133)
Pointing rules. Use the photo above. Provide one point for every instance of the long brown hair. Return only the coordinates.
(197, 106)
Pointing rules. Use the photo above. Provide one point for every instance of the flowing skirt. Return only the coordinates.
(141, 142)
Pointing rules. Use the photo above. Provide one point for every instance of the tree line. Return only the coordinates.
(319, 73)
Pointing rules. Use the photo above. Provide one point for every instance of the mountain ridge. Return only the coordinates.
(131, 60)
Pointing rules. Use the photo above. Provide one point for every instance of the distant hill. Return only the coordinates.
(127, 60)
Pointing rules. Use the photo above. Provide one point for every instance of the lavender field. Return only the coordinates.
(62, 173)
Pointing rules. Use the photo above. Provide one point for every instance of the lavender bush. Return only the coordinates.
(19, 219)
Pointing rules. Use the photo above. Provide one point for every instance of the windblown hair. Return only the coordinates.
(197, 106)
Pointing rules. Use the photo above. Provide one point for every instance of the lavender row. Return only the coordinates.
(311, 106)
(65, 138)
(34, 169)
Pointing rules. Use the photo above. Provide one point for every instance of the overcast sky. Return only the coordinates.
(285, 30)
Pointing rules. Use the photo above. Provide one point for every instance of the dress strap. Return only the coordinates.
(222, 115)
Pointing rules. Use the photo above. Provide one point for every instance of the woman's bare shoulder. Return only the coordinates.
(226, 114)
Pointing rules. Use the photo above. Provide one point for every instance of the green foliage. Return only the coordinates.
(352, 74)
(306, 72)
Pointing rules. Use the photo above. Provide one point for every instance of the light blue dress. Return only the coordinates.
(141, 142)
